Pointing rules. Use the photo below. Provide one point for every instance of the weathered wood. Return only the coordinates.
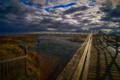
(12, 66)
(106, 39)
(69, 70)
(87, 62)
(116, 46)
(103, 63)
(81, 73)
(25, 61)
(13, 59)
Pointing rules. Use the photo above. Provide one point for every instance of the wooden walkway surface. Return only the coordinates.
(104, 65)
(74, 68)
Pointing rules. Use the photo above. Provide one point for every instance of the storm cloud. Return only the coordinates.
(17, 16)
(111, 15)
(75, 9)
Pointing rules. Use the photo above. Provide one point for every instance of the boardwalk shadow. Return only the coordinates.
(104, 71)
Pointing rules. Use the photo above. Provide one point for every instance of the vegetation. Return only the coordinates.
(79, 39)
(14, 45)
(113, 38)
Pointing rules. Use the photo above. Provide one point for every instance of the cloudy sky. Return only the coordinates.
(30, 16)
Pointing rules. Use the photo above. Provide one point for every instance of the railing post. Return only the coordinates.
(116, 46)
(25, 61)
(107, 40)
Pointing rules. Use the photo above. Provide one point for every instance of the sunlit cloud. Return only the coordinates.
(60, 15)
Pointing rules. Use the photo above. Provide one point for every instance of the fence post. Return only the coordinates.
(116, 46)
(25, 61)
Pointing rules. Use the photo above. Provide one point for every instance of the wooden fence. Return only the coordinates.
(114, 43)
(11, 67)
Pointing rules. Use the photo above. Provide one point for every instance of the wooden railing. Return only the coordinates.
(114, 43)
(77, 68)
(83, 66)
(81, 70)
(13, 66)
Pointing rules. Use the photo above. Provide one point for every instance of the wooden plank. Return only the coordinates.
(69, 70)
(101, 60)
(85, 73)
(106, 39)
(79, 69)
(13, 59)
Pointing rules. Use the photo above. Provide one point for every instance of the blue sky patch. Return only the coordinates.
(60, 6)
(92, 2)
(28, 2)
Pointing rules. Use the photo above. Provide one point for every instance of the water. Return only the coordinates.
(58, 51)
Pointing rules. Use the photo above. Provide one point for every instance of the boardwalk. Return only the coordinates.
(73, 68)
(102, 63)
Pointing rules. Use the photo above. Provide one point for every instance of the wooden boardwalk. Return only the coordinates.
(99, 62)
(104, 65)
(74, 68)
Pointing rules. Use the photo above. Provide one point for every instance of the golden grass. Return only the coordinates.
(13, 46)
(79, 39)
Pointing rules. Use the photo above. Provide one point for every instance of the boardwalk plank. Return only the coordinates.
(103, 66)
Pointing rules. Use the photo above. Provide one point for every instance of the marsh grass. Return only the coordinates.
(13, 46)
(79, 39)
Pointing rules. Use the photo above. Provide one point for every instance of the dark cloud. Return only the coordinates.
(41, 26)
(98, 12)
(16, 8)
(111, 14)
(10, 28)
(39, 3)
(105, 9)
(20, 17)
(45, 20)
(106, 6)
(106, 18)
(86, 21)
(115, 12)
(12, 14)
(2, 17)
(75, 9)
(78, 14)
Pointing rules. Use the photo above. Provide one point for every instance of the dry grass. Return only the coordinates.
(79, 39)
(13, 46)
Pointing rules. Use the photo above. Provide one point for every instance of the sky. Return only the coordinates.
(34, 16)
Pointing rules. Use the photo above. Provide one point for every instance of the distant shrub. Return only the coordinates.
(79, 39)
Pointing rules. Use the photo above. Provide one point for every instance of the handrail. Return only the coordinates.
(79, 64)
(113, 41)
(106, 39)
(13, 59)
(10, 65)
(108, 34)
(82, 69)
